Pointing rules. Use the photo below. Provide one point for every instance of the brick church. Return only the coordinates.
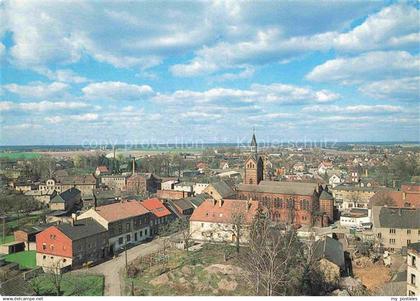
(287, 202)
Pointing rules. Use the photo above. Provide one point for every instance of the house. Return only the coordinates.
(85, 183)
(68, 245)
(224, 165)
(334, 180)
(184, 186)
(413, 269)
(407, 196)
(102, 170)
(349, 196)
(324, 166)
(49, 187)
(115, 181)
(355, 218)
(216, 220)
(143, 183)
(396, 228)
(169, 184)
(127, 222)
(219, 190)
(329, 255)
(198, 188)
(66, 200)
(161, 214)
(172, 194)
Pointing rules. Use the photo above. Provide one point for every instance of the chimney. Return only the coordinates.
(73, 219)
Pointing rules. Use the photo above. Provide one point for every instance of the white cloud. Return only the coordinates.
(367, 67)
(403, 89)
(276, 93)
(117, 91)
(353, 109)
(63, 75)
(82, 118)
(37, 89)
(42, 106)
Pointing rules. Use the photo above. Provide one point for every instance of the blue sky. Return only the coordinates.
(92, 72)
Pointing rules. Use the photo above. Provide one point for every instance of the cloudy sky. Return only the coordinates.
(170, 71)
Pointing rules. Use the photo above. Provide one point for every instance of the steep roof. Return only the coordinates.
(102, 168)
(300, 188)
(224, 211)
(326, 196)
(184, 204)
(399, 218)
(156, 207)
(82, 228)
(122, 210)
(65, 196)
(223, 189)
(330, 249)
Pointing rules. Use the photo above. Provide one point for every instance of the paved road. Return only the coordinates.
(111, 269)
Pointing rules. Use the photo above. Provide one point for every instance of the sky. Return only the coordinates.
(144, 72)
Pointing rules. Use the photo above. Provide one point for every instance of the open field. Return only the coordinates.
(25, 259)
(71, 285)
(20, 155)
(202, 272)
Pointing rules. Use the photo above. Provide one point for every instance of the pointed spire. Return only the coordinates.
(254, 143)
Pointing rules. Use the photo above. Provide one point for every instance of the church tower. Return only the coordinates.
(253, 165)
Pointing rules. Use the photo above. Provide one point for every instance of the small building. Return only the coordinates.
(28, 234)
(66, 200)
(182, 207)
(198, 188)
(115, 181)
(74, 244)
(172, 194)
(329, 254)
(143, 183)
(101, 170)
(413, 269)
(12, 247)
(355, 218)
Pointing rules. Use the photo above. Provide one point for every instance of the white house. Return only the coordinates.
(199, 187)
(334, 180)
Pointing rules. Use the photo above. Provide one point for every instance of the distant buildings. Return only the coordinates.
(66, 200)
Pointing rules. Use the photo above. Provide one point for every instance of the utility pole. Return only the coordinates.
(126, 260)
(4, 228)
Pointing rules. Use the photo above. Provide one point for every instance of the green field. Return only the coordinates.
(20, 155)
(71, 285)
(25, 259)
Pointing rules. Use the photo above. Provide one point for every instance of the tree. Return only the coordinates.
(383, 198)
(55, 275)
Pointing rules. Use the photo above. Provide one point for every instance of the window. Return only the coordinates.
(128, 237)
(44, 246)
(64, 260)
(391, 231)
(379, 235)
(408, 231)
(413, 261)
(145, 232)
(119, 228)
(127, 227)
(202, 225)
(135, 236)
(52, 247)
(120, 241)
(411, 293)
(413, 279)
(392, 241)
(141, 233)
(408, 241)
(44, 257)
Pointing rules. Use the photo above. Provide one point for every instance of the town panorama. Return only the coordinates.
(209, 148)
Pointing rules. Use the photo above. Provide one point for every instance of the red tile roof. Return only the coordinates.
(156, 207)
(211, 211)
(102, 168)
(122, 210)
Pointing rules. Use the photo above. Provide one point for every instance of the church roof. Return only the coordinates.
(254, 140)
(299, 188)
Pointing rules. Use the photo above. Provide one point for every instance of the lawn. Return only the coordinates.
(25, 259)
(71, 285)
(20, 155)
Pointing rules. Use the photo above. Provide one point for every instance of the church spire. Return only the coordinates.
(254, 144)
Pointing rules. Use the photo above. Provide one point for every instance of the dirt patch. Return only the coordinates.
(159, 280)
(373, 276)
(223, 269)
(227, 285)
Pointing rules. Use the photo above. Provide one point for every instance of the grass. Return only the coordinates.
(25, 259)
(198, 282)
(20, 155)
(23, 221)
(7, 239)
(71, 285)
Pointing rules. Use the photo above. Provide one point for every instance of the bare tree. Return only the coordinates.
(383, 198)
(55, 275)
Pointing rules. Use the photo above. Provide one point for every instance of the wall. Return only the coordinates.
(400, 237)
(413, 270)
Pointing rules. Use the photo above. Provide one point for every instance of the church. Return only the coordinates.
(287, 202)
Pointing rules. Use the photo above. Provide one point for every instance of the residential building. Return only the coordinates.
(355, 218)
(219, 190)
(49, 187)
(413, 269)
(73, 244)
(349, 196)
(396, 228)
(127, 222)
(102, 170)
(216, 220)
(85, 183)
(66, 200)
(334, 180)
(161, 214)
(143, 183)
(407, 196)
(172, 194)
(115, 181)
(198, 188)
(27, 234)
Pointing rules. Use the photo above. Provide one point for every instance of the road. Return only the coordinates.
(111, 269)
